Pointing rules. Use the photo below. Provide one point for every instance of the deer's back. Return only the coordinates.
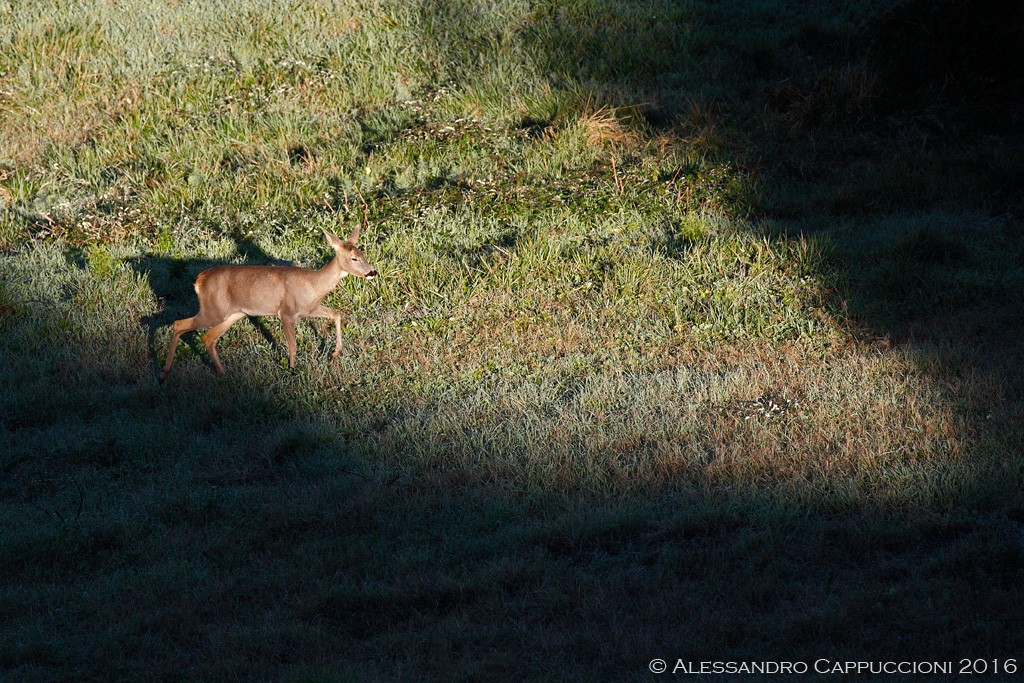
(257, 290)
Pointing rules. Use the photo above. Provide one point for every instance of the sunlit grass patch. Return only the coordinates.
(579, 386)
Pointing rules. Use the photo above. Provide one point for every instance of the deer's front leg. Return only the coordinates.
(289, 335)
(324, 312)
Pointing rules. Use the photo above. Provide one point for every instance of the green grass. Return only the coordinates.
(680, 348)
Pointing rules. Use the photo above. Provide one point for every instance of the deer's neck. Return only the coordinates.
(328, 277)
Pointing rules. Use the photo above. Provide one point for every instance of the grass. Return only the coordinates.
(691, 341)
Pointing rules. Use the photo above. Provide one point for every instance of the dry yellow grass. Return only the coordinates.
(604, 127)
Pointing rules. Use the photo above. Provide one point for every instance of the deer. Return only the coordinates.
(228, 293)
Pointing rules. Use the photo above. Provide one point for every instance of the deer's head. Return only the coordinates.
(351, 259)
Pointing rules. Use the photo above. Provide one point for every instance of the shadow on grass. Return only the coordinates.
(220, 529)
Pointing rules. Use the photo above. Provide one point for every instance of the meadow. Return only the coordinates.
(696, 336)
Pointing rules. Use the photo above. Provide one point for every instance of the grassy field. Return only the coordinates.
(697, 336)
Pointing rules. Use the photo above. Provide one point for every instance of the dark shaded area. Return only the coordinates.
(921, 110)
(934, 85)
(956, 63)
(271, 551)
(298, 154)
(536, 128)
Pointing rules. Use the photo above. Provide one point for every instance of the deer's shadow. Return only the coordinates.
(172, 281)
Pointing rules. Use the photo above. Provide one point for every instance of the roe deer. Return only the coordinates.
(227, 293)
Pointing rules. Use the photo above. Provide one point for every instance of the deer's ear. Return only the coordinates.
(354, 237)
(331, 239)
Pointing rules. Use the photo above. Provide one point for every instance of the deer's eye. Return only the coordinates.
(355, 258)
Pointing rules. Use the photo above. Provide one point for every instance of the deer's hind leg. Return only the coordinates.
(214, 333)
(178, 328)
